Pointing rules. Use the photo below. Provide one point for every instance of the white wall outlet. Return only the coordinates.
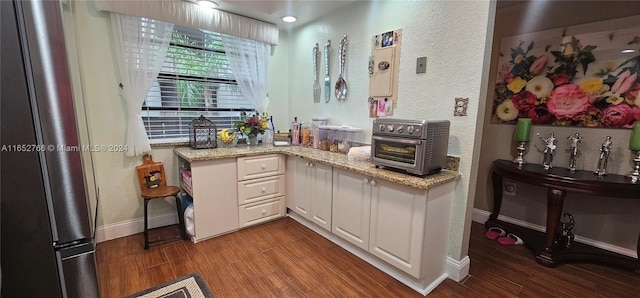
(460, 108)
(509, 189)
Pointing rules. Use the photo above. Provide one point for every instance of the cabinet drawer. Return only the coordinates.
(255, 213)
(254, 190)
(260, 166)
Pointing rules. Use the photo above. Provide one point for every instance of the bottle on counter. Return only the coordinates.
(295, 132)
(305, 134)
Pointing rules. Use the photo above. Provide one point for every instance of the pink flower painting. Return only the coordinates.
(570, 83)
(567, 101)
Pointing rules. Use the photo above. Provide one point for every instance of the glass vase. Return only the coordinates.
(252, 140)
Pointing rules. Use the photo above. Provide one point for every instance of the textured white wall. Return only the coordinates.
(613, 221)
(451, 34)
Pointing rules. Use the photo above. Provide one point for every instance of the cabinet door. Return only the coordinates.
(298, 199)
(321, 193)
(397, 225)
(351, 207)
(215, 197)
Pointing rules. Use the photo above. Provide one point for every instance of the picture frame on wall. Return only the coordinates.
(588, 80)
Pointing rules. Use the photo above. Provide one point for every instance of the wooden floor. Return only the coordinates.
(285, 259)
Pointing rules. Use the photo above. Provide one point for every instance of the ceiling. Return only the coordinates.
(272, 11)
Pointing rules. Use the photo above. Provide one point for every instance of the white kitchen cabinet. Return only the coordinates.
(351, 207)
(390, 221)
(261, 189)
(310, 186)
(321, 184)
(215, 197)
(397, 225)
(299, 199)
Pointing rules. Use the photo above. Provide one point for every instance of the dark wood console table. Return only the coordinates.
(558, 182)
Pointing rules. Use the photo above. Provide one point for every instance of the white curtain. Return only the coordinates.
(141, 47)
(248, 62)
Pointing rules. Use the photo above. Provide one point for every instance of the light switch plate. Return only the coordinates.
(421, 65)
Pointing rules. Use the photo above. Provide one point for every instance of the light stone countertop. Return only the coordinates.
(333, 159)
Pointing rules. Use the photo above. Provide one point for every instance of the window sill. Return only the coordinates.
(169, 143)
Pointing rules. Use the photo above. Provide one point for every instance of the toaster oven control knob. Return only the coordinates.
(400, 128)
(410, 129)
(390, 127)
(381, 127)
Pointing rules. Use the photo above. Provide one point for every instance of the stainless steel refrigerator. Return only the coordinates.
(47, 238)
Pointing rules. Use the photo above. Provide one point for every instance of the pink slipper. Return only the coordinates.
(494, 232)
(511, 239)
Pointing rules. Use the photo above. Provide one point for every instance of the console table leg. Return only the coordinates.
(497, 195)
(555, 199)
(638, 260)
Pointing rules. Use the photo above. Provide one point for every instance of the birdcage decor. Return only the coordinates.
(202, 133)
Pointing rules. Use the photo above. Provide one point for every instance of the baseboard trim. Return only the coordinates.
(481, 216)
(133, 226)
(458, 270)
(402, 277)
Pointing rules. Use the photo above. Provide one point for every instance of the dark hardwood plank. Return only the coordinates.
(160, 274)
(180, 259)
(132, 274)
(373, 273)
(491, 283)
(285, 259)
(362, 282)
(336, 285)
(154, 256)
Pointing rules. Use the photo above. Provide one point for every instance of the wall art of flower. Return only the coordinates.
(589, 80)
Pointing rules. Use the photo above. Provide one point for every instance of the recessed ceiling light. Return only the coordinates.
(207, 3)
(289, 19)
(628, 51)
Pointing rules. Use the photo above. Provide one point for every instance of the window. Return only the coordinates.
(195, 80)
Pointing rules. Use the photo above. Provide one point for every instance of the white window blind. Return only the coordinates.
(195, 80)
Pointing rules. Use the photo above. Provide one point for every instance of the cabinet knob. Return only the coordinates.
(264, 212)
(264, 167)
(365, 180)
(264, 189)
(373, 182)
(311, 164)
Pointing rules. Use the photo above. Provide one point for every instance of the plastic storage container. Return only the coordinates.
(324, 136)
(334, 138)
(316, 122)
(353, 137)
(349, 136)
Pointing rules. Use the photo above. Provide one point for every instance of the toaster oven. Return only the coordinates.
(416, 146)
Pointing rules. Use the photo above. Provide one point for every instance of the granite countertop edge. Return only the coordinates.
(333, 159)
